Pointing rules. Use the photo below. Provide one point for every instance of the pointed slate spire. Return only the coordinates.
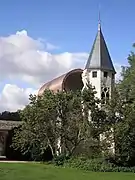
(99, 57)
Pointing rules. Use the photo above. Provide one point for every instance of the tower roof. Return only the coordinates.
(99, 57)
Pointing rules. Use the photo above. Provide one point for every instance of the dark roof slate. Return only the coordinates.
(99, 57)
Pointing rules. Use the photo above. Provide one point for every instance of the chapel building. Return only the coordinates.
(99, 71)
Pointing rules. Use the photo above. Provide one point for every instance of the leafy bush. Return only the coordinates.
(97, 165)
(59, 160)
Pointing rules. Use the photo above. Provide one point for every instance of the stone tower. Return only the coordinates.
(99, 69)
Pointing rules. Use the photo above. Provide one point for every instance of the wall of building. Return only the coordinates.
(96, 81)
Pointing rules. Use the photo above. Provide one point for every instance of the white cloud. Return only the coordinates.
(12, 97)
(118, 70)
(51, 47)
(29, 60)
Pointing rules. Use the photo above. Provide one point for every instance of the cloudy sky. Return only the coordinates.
(41, 39)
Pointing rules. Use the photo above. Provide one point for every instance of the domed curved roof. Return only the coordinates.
(72, 80)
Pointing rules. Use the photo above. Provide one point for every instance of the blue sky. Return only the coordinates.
(72, 24)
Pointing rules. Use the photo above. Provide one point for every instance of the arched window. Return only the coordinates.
(105, 95)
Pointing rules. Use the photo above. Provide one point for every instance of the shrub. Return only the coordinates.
(97, 165)
(59, 160)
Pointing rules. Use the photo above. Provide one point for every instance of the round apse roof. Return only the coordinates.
(67, 81)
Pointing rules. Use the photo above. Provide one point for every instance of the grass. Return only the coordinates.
(34, 171)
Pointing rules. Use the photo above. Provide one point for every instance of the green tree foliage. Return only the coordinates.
(46, 119)
(127, 85)
(37, 132)
(72, 125)
(125, 137)
(96, 119)
(58, 116)
(123, 112)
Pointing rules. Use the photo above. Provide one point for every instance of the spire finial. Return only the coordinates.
(99, 20)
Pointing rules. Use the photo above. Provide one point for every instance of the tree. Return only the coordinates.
(114, 115)
(124, 115)
(127, 84)
(76, 129)
(95, 118)
(55, 120)
(37, 132)
(48, 118)
(125, 137)
(71, 127)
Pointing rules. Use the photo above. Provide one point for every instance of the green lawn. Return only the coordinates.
(33, 171)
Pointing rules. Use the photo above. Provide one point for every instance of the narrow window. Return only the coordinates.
(103, 98)
(112, 76)
(105, 74)
(102, 95)
(94, 74)
(107, 96)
